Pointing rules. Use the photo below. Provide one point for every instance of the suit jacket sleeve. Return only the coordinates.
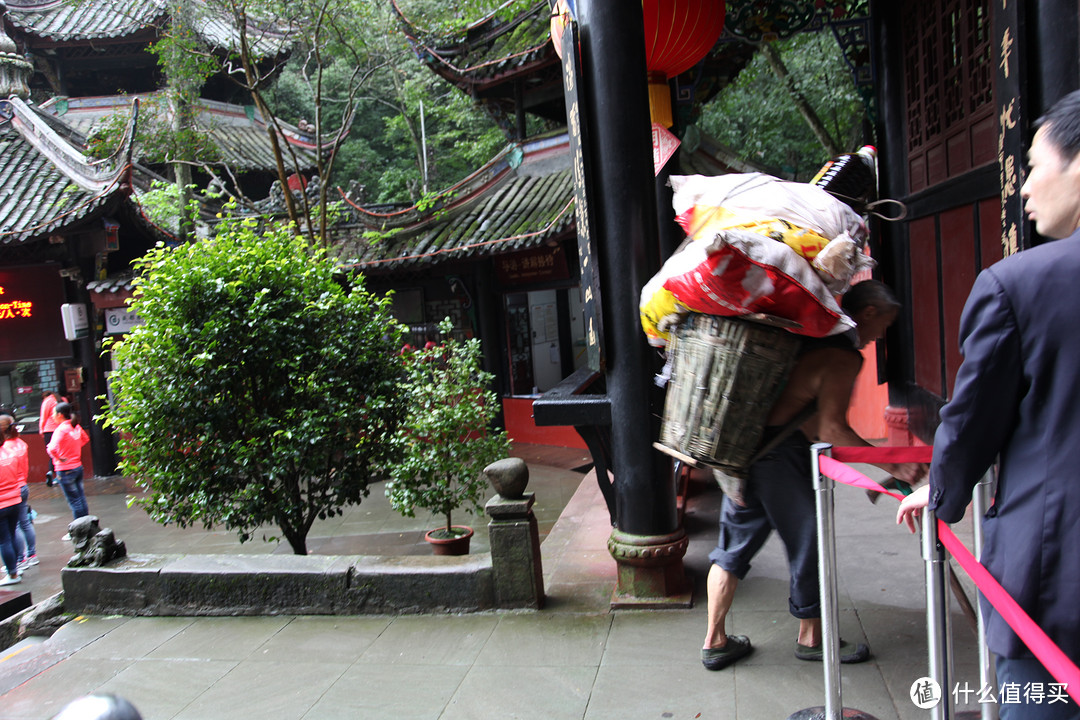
(980, 416)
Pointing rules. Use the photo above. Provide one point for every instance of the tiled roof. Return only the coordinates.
(491, 46)
(124, 284)
(241, 140)
(61, 20)
(65, 21)
(521, 199)
(46, 185)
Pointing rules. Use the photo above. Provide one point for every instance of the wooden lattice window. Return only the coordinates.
(948, 88)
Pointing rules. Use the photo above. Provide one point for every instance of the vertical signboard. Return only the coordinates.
(590, 277)
(1010, 129)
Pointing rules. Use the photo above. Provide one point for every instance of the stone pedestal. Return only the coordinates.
(650, 570)
(515, 552)
(898, 424)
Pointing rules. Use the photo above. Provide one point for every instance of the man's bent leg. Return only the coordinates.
(720, 648)
(721, 586)
(743, 530)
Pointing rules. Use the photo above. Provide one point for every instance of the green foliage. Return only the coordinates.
(156, 138)
(756, 117)
(164, 205)
(259, 391)
(445, 441)
(441, 17)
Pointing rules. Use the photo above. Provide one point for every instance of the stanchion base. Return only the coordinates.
(818, 713)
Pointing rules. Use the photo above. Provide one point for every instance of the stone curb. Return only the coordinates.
(227, 585)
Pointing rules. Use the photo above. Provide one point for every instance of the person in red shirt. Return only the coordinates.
(10, 501)
(47, 425)
(65, 449)
(26, 538)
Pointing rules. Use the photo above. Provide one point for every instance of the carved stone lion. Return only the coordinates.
(94, 547)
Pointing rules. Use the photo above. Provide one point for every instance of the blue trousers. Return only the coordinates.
(9, 520)
(779, 496)
(25, 538)
(71, 481)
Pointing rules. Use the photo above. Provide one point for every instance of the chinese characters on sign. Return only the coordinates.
(590, 293)
(926, 693)
(1010, 132)
(120, 320)
(532, 266)
(30, 299)
(15, 308)
(1012, 693)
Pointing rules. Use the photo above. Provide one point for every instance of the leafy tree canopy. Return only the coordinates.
(259, 391)
(755, 115)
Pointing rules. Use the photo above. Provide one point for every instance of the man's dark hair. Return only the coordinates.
(1062, 125)
(869, 292)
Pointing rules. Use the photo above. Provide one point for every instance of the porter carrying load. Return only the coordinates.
(763, 264)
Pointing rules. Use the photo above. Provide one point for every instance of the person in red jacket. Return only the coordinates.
(26, 538)
(65, 449)
(9, 512)
(47, 423)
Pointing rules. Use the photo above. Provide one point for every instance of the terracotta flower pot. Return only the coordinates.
(457, 543)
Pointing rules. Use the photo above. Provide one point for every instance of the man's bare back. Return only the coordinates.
(827, 375)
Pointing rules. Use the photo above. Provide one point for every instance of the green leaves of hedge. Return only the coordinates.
(262, 388)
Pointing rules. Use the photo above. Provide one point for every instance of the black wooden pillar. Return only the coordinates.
(648, 543)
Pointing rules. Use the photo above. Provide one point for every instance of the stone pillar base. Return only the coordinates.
(897, 421)
(515, 552)
(650, 570)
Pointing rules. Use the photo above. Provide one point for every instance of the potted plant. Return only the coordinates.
(445, 441)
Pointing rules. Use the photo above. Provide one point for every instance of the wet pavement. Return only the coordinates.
(576, 659)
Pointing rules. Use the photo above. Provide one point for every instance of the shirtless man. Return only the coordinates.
(780, 493)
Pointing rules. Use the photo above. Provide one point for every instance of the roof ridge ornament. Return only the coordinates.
(14, 69)
(94, 176)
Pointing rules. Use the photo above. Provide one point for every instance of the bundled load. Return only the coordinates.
(758, 245)
(757, 248)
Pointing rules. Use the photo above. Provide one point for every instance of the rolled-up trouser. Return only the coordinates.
(780, 496)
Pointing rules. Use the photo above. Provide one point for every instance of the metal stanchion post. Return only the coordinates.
(830, 610)
(937, 609)
(987, 675)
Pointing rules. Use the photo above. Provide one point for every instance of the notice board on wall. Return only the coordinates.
(30, 323)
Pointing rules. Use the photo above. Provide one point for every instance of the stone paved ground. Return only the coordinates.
(576, 659)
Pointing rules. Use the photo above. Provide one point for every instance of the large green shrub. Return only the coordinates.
(259, 391)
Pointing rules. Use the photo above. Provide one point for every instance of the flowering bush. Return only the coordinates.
(445, 441)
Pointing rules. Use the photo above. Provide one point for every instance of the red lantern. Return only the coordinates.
(678, 34)
(560, 18)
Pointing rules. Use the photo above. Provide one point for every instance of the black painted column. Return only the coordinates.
(648, 543)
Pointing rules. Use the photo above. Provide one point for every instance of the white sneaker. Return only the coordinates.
(11, 580)
(29, 562)
(66, 538)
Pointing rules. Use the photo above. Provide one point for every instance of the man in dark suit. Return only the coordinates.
(1016, 397)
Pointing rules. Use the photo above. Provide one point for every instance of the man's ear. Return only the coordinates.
(867, 313)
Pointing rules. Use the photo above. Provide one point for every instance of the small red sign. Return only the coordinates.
(664, 145)
(543, 264)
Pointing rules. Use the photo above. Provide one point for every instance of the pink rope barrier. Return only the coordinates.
(1050, 655)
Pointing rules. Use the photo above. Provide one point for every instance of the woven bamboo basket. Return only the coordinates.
(726, 375)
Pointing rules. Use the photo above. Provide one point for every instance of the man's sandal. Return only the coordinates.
(849, 652)
(737, 647)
